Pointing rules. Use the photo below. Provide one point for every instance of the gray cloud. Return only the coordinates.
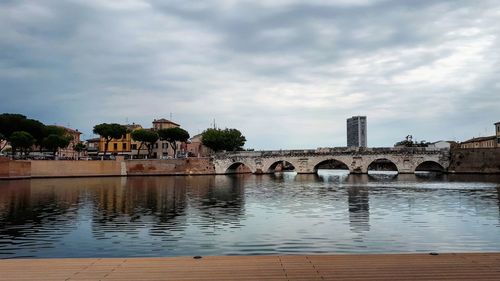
(286, 73)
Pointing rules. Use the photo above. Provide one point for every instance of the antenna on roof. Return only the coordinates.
(214, 124)
(170, 116)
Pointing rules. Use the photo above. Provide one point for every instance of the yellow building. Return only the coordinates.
(121, 146)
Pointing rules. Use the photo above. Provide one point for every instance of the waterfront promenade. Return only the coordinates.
(470, 266)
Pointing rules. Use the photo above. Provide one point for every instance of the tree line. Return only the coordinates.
(147, 138)
(25, 134)
(213, 138)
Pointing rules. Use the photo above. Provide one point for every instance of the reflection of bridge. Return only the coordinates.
(355, 160)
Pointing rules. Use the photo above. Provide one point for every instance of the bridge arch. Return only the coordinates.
(332, 164)
(383, 164)
(238, 168)
(280, 166)
(430, 166)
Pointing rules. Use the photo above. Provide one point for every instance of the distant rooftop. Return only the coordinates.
(73, 131)
(196, 136)
(163, 120)
(93, 140)
(133, 126)
(443, 141)
(480, 139)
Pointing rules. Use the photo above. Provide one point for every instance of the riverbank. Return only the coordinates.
(22, 169)
(462, 266)
(480, 161)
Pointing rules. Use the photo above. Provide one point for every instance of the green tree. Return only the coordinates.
(146, 137)
(79, 147)
(55, 138)
(227, 139)
(21, 140)
(54, 130)
(35, 128)
(10, 123)
(172, 136)
(53, 142)
(109, 132)
(409, 142)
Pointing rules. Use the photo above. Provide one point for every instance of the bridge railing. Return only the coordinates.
(332, 151)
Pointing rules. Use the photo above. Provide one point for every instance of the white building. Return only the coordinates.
(438, 145)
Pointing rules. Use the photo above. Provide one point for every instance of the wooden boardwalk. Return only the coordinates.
(480, 266)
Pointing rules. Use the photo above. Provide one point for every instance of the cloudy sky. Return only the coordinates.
(287, 73)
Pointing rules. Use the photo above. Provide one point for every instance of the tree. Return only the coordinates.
(109, 132)
(227, 139)
(53, 142)
(35, 128)
(172, 136)
(54, 130)
(409, 142)
(55, 138)
(146, 137)
(79, 147)
(10, 123)
(22, 140)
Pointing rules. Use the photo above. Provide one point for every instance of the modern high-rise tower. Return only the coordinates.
(356, 131)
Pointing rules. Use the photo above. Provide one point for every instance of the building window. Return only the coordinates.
(124, 146)
(134, 146)
(498, 140)
(115, 146)
(156, 145)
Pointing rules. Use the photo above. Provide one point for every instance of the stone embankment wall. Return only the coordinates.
(189, 166)
(481, 160)
(71, 168)
(14, 169)
(67, 168)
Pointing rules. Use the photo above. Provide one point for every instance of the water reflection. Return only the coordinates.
(248, 214)
(127, 205)
(498, 198)
(359, 209)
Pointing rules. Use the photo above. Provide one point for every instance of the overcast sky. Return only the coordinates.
(287, 73)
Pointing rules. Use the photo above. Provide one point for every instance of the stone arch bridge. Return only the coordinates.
(358, 161)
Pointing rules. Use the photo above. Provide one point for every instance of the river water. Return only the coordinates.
(332, 212)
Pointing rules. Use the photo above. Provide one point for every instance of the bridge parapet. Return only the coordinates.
(333, 151)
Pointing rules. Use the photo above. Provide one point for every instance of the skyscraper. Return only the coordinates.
(356, 131)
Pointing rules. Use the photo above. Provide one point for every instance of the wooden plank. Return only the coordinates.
(469, 266)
